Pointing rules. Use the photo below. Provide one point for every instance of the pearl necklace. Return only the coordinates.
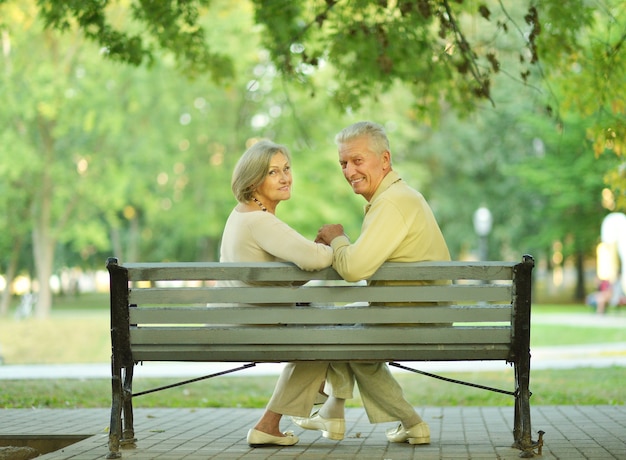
(263, 208)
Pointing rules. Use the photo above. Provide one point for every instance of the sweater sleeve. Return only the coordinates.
(383, 230)
(283, 242)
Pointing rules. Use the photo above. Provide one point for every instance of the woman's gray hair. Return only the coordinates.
(251, 169)
(379, 142)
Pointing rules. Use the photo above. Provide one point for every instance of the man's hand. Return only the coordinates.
(329, 232)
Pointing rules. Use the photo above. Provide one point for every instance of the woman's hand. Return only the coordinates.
(329, 232)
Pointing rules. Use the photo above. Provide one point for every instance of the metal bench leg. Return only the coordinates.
(128, 438)
(522, 427)
(115, 426)
(522, 274)
(121, 361)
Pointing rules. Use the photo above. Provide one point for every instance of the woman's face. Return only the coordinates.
(276, 186)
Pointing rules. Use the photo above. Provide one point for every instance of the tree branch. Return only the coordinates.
(466, 51)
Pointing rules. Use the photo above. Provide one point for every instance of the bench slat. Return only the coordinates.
(319, 314)
(277, 271)
(274, 294)
(345, 352)
(314, 335)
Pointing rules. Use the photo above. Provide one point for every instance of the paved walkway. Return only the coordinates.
(571, 432)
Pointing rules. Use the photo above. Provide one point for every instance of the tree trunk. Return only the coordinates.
(10, 276)
(43, 252)
(134, 232)
(43, 239)
(116, 244)
(6, 295)
(579, 293)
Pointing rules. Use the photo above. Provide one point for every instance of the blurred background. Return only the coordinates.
(120, 124)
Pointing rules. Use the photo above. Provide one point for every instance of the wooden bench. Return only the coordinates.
(160, 312)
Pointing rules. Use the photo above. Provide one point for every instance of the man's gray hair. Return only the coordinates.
(378, 138)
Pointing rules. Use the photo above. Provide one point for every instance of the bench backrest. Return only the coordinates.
(175, 312)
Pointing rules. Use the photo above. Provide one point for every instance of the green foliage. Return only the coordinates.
(558, 28)
(107, 159)
(171, 26)
(586, 78)
(568, 184)
(372, 44)
(430, 45)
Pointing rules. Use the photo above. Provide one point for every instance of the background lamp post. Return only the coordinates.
(482, 227)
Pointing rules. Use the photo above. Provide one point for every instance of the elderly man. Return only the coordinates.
(399, 226)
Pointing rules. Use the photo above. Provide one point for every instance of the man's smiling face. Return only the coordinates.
(363, 169)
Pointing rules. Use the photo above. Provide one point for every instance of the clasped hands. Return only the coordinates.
(329, 232)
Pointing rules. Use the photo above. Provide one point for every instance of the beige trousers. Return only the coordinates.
(297, 387)
(382, 395)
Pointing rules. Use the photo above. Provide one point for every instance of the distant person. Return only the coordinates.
(619, 297)
(600, 299)
(398, 226)
(608, 294)
(261, 180)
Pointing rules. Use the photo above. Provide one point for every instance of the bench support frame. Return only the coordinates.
(121, 430)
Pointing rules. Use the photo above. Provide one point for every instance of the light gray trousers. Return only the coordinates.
(382, 396)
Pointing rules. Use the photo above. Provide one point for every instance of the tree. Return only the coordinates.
(443, 50)
(538, 178)
(96, 148)
(586, 79)
(51, 131)
(84, 152)
(371, 43)
(106, 159)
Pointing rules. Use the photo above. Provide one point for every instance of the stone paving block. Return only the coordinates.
(571, 432)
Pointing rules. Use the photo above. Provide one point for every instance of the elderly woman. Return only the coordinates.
(261, 180)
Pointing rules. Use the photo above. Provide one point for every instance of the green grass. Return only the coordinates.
(78, 332)
(549, 387)
(66, 337)
(82, 302)
(547, 335)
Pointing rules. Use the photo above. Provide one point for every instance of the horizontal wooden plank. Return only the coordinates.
(320, 314)
(278, 353)
(279, 271)
(452, 270)
(320, 294)
(249, 271)
(375, 336)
